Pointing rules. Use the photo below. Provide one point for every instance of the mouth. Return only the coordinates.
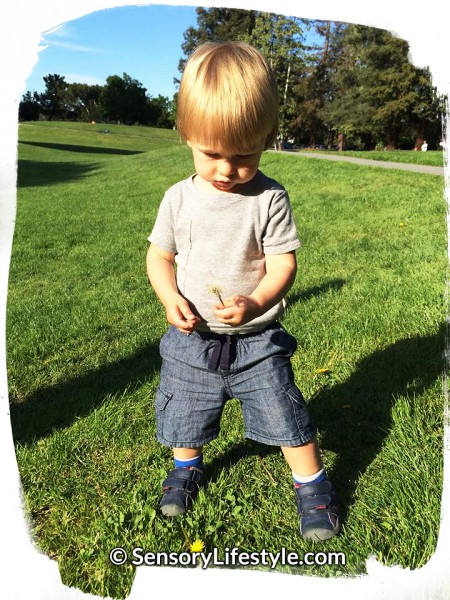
(223, 185)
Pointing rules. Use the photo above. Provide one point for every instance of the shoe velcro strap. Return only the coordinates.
(315, 495)
(183, 479)
(321, 501)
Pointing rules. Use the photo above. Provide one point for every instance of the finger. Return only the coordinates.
(186, 312)
(231, 301)
(175, 318)
(222, 313)
(184, 326)
(218, 307)
(229, 320)
(184, 331)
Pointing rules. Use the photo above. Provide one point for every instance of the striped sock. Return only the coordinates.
(197, 461)
(300, 480)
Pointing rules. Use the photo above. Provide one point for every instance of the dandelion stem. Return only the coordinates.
(217, 292)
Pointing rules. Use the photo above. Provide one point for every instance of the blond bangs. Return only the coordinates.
(228, 98)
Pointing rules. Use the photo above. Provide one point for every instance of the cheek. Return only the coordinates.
(204, 166)
(249, 168)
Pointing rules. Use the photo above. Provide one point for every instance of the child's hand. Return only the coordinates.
(181, 316)
(237, 310)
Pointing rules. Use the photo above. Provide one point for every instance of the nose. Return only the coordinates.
(226, 168)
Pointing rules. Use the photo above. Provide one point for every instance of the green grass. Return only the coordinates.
(83, 328)
(433, 158)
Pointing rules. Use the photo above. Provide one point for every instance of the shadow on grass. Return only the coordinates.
(333, 284)
(235, 453)
(58, 406)
(41, 173)
(83, 149)
(354, 417)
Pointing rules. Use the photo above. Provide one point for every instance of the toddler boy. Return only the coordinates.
(229, 230)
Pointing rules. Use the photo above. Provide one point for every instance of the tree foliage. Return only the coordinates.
(282, 41)
(217, 24)
(29, 107)
(354, 83)
(52, 100)
(120, 100)
(83, 101)
(124, 100)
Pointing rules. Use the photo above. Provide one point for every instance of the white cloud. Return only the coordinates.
(64, 36)
(59, 31)
(74, 47)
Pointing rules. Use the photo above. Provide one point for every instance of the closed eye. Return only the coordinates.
(217, 156)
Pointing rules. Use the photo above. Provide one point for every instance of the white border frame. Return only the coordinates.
(29, 575)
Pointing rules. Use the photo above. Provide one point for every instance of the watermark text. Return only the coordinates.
(230, 557)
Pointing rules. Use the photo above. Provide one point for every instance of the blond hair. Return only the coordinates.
(228, 98)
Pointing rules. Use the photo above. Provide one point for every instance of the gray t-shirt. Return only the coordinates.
(220, 241)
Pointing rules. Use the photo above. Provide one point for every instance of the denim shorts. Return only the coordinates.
(196, 381)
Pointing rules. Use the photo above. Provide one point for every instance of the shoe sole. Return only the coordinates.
(321, 535)
(172, 510)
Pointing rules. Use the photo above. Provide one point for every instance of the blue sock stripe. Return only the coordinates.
(197, 461)
(320, 477)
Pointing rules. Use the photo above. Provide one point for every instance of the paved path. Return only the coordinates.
(370, 163)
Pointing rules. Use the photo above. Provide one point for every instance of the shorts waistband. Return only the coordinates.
(221, 354)
(212, 335)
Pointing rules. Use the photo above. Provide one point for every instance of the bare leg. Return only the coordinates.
(305, 459)
(187, 453)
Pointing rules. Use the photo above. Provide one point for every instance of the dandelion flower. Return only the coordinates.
(197, 546)
(216, 291)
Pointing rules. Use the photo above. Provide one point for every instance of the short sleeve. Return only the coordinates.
(162, 234)
(280, 235)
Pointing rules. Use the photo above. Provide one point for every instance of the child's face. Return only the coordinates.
(218, 171)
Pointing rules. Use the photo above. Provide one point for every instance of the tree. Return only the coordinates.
(217, 25)
(161, 112)
(281, 41)
(428, 111)
(29, 107)
(375, 92)
(314, 85)
(83, 101)
(53, 100)
(124, 100)
(279, 38)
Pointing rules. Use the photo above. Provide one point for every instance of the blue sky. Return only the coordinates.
(142, 41)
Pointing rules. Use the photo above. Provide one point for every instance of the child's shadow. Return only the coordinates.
(355, 416)
(53, 407)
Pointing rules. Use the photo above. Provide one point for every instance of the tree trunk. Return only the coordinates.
(391, 137)
(420, 136)
(287, 84)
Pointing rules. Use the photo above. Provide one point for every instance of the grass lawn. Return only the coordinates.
(83, 328)
(433, 158)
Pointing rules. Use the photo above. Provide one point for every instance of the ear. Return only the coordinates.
(189, 143)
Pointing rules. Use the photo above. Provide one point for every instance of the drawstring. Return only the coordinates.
(220, 356)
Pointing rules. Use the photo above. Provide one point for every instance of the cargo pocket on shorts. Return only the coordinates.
(299, 407)
(161, 401)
